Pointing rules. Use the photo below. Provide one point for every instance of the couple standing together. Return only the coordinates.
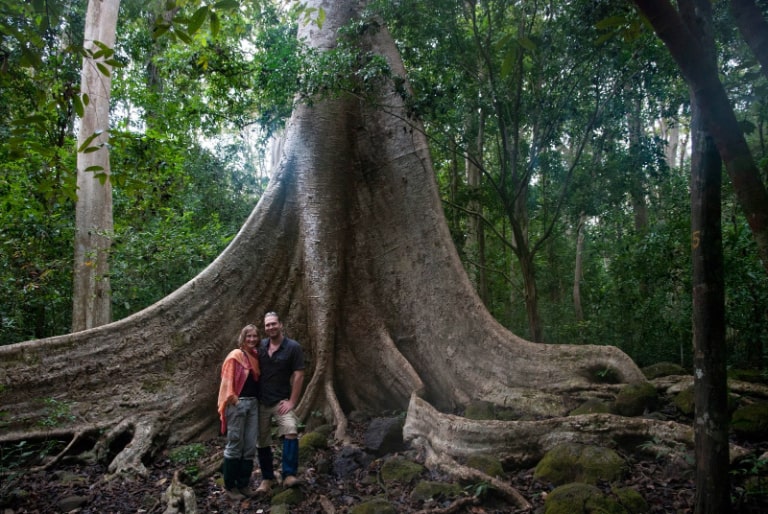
(260, 380)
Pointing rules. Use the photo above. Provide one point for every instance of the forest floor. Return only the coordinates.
(666, 484)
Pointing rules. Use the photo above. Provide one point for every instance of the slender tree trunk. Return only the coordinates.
(753, 28)
(710, 391)
(709, 360)
(92, 298)
(578, 271)
(716, 113)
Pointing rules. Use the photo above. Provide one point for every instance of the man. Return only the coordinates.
(281, 362)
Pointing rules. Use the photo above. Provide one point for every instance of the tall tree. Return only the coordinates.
(92, 299)
(717, 115)
(350, 243)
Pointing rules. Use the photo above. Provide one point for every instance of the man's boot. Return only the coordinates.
(290, 462)
(244, 477)
(267, 470)
(230, 469)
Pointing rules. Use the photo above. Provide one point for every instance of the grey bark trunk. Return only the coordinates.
(92, 298)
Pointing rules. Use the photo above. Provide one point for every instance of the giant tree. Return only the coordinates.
(350, 244)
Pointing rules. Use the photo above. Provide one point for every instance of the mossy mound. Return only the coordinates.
(290, 496)
(480, 410)
(751, 421)
(310, 443)
(663, 369)
(576, 498)
(399, 469)
(426, 490)
(488, 464)
(572, 462)
(635, 399)
(684, 401)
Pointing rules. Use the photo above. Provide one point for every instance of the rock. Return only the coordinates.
(591, 406)
(398, 469)
(635, 399)
(751, 421)
(70, 503)
(572, 462)
(348, 460)
(488, 464)
(374, 506)
(663, 369)
(384, 435)
(309, 444)
(426, 490)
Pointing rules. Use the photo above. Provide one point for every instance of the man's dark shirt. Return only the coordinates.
(276, 371)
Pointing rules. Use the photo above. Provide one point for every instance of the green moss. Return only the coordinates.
(426, 490)
(684, 401)
(663, 369)
(310, 443)
(751, 421)
(398, 469)
(632, 501)
(488, 464)
(290, 496)
(635, 399)
(571, 462)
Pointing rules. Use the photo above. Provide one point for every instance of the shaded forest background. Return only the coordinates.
(558, 131)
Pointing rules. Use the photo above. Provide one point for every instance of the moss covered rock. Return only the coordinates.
(663, 369)
(751, 421)
(635, 399)
(426, 490)
(398, 469)
(290, 496)
(578, 498)
(572, 462)
(632, 501)
(310, 443)
(488, 464)
(683, 401)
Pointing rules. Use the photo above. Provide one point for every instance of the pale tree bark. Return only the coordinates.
(349, 243)
(717, 114)
(92, 299)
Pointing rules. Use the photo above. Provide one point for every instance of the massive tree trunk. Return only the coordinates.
(349, 243)
(92, 296)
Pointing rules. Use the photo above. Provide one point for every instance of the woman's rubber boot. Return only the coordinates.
(290, 462)
(230, 469)
(267, 470)
(244, 477)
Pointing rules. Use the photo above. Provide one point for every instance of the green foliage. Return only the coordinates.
(188, 456)
(57, 412)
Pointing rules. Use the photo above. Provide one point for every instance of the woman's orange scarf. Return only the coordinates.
(234, 372)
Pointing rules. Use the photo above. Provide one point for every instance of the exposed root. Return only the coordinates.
(51, 462)
(129, 459)
(439, 460)
(179, 498)
(523, 442)
(338, 413)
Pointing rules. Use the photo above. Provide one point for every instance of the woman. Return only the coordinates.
(239, 412)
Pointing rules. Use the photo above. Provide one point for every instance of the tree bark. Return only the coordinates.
(350, 244)
(710, 354)
(716, 113)
(92, 297)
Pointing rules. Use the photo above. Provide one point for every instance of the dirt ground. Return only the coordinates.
(666, 484)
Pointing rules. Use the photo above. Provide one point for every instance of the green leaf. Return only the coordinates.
(94, 168)
(215, 24)
(227, 5)
(182, 35)
(103, 69)
(78, 105)
(197, 20)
